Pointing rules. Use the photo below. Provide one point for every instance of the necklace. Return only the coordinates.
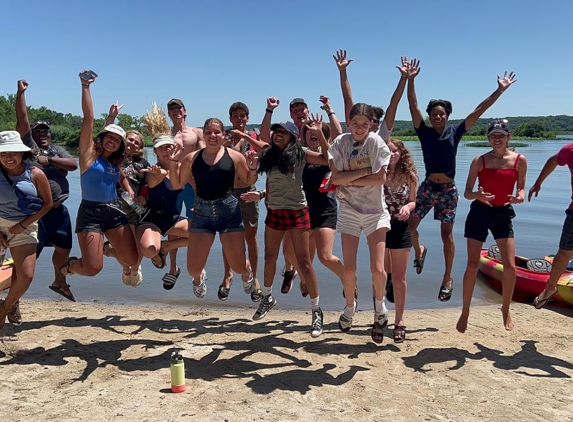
(497, 156)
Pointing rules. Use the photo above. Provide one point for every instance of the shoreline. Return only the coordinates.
(92, 361)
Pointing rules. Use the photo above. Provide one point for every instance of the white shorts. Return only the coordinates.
(354, 223)
(28, 236)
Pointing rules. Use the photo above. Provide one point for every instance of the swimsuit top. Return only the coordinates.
(396, 199)
(216, 181)
(498, 182)
(98, 181)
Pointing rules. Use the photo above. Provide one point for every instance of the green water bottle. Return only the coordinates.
(177, 373)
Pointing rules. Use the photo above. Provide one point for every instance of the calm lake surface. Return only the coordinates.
(537, 230)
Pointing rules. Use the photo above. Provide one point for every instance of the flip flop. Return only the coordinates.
(419, 263)
(161, 256)
(169, 279)
(62, 292)
(540, 303)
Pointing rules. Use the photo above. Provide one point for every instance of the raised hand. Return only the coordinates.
(506, 81)
(325, 103)
(87, 77)
(534, 190)
(22, 85)
(272, 103)
(114, 109)
(341, 61)
(252, 159)
(413, 68)
(314, 123)
(175, 152)
(403, 68)
(484, 197)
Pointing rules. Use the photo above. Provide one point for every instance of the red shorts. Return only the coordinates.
(287, 219)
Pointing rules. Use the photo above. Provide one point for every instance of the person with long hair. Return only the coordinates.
(287, 210)
(501, 184)
(19, 225)
(358, 161)
(100, 213)
(213, 171)
(439, 148)
(400, 196)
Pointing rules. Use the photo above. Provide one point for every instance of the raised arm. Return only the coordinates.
(22, 122)
(547, 169)
(413, 67)
(246, 166)
(315, 126)
(272, 103)
(502, 85)
(342, 63)
(180, 173)
(335, 126)
(86, 149)
(114, 110)
(390, 115)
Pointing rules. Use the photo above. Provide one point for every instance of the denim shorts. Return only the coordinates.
(99, 217)
(443, 197)
(219, 215)
(566, 241)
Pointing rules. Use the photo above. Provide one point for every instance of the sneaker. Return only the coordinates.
(201, 290)
(126, 277)
(316, 325)
(267, 303)
(14, 315)
(136, 277)
(344, 322)
(249, 284)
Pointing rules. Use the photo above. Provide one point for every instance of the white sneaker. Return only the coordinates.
(316, 324)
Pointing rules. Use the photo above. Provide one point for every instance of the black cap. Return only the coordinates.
(40, 123)
(175, 101)
(297, 101)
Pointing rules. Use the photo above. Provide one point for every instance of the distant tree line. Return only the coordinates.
(66, 127)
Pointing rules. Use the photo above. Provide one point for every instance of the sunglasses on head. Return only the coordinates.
(501, 123)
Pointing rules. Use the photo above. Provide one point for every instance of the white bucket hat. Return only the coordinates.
(10, 141)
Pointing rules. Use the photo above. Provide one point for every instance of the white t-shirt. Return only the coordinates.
(348, 155)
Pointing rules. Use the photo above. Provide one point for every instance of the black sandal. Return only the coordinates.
(161, 257)
(223, 292)
(399, 333)
(65, 269)
(419, 263)
(169, 279)
(445, 293)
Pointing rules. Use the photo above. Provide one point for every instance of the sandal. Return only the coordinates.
(289, 277)
(158, 260)
(64, 291)
(399, 333)
(540, 303)
(419, 263)
(445, 293)
(14, 316)
(65, 269)
(106, 248)
(169, 279)
(223, 292)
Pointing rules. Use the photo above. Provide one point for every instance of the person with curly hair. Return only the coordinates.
(100, 212)
(400, 195)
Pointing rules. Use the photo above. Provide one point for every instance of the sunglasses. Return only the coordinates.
(42, 131)
(501, 123)
(354, 152)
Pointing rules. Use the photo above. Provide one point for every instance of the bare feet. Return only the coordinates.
(507, 321)
(462, 324)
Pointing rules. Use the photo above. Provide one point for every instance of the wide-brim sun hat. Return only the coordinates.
(113, 129)
(10, 141)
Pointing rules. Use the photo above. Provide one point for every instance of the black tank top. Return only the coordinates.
(216, 181)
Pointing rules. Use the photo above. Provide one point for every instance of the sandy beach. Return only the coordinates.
(82, 361)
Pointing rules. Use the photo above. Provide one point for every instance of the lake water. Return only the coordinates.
(537, 230)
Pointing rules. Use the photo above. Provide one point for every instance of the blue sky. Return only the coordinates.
(212, 53)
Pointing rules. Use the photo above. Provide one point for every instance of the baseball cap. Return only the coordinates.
(39, 123)
(10, 141)
(297, 101)
(498, 126)
(175, 101)
(163, 140)
(288, 126)
(113, 129)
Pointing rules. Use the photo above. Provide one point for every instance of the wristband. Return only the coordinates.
(268, 110)
(331, 113)
(21, 225)
(262, 194)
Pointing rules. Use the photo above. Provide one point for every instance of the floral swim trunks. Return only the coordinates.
(443, 197)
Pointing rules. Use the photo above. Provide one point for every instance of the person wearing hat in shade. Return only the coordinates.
(54, 228)
(19, 225)
(501, 184)
(100, 213)
(287, 210)
(162, 217)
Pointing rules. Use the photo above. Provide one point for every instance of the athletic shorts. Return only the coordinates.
(249, 210)
(353, 223)
(287, 219)
(27, 237)
(443, 197)
(99, 217)
(55, 229)
(219, 215)
(483, 218)
(399, 235)
(566, 241)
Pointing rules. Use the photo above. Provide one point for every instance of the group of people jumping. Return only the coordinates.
(319, 181)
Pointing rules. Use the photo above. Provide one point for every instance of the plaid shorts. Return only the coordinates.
(566, 241)
(287, 219)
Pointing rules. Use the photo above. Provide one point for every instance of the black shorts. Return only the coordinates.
(55, 229)
(98, 218)
(398, 237)
(483, 218)
(323, 221)
(162, 222)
